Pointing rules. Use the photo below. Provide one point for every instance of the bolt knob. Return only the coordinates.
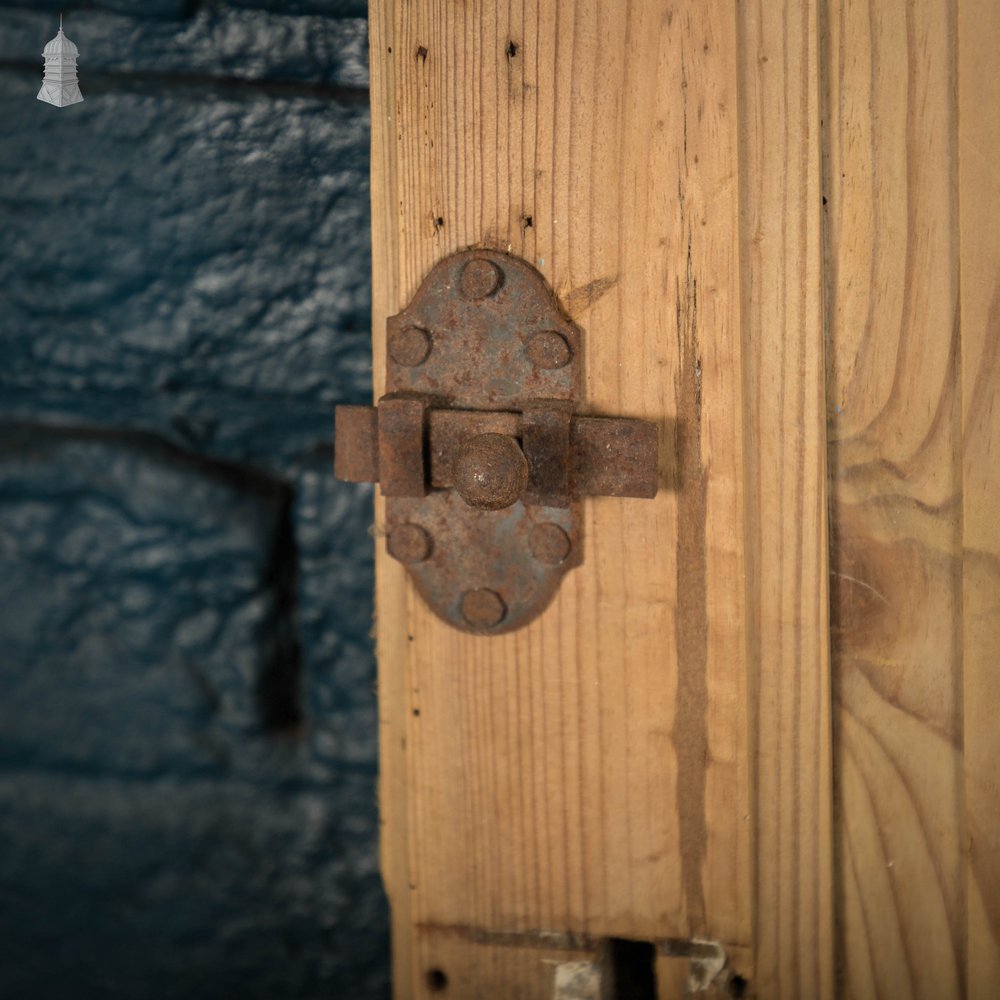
(491, 472)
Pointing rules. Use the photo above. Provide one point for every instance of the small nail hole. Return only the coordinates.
(437, 981)
(738, 986)
(511, 49)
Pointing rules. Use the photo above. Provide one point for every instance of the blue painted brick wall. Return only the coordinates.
(187, 710)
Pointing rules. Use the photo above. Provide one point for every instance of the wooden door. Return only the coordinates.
(754, 729)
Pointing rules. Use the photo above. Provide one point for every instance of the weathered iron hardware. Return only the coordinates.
(477, 447)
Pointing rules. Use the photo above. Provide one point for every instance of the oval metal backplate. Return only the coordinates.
(479, 360)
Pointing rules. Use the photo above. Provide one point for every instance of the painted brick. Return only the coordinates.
(188, 724)
(175, 9)
(182, 262)
(140, 603)
(148, 599)
(141, 8)
(203, 889)
(222, 42)
(332, 8)
(336, 581)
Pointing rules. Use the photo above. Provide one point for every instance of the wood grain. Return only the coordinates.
(786, 510)
(391, 597)
(896, 494)
(456, 962)
(587, 774)
(979, 196)
(776, 233)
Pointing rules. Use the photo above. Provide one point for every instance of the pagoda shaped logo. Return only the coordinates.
(59, 86)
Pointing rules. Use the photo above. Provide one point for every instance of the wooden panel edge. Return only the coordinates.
(979, 282)
(390, 593)
(786, 516)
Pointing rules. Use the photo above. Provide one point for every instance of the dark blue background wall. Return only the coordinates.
(187, 714)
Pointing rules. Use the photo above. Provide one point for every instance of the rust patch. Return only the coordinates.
(355, 444)
(614, 457)
(491, 471)
(545, 436)
(401, 466)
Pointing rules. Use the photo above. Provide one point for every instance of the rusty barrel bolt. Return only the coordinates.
(483, 608)
(409, 543)
(487, 524)
(480, 279)
(409, 346)
(549, 544)
(491, 471)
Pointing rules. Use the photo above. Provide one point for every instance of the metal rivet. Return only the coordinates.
(483, 608)
(480, 279)
(409, 543)
(549, 544)
(490, 472)
(549, 350)
(409, 346)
